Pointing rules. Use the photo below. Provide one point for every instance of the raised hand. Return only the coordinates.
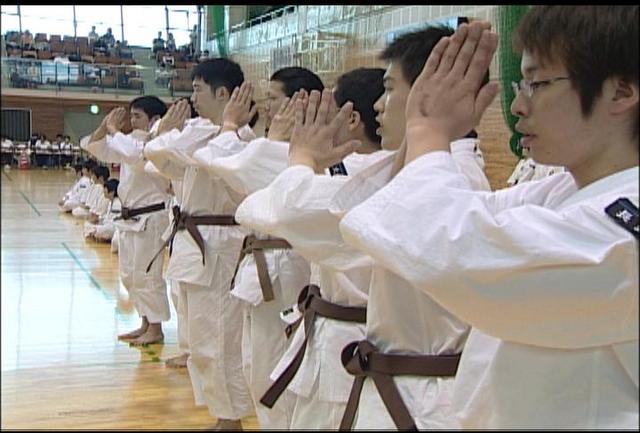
(282, 124)
(238, 111)
(116, 120)
(314, 133)
(447, 99)
(175, 117)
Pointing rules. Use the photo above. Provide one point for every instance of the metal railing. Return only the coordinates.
(27, 73)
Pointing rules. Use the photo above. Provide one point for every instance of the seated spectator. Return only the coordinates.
(171, 43)
(93, 35)
(115, 51)
(108, 39)
(158, 43)
(27, 40)
(66, 152)
(43, 152)
(7, 151)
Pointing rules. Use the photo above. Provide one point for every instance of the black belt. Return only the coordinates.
(128, 213)
(311, 305)
(362, 359)
(182, 220)
(255, 246)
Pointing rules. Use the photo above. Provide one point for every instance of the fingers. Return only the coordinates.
(485, 98)
(434, 59)
(283, 106)
(323, 109)
(253, 111)
(468, 49)
(338, 153)
(455, 43)
(245, 94)
(291, 104)
(481, 60)
(340, 118)
(312, 106)
(299, 114)
(234, 94)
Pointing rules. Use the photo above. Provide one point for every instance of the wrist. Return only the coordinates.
(422, 139)
(230, 126)
(302, 158)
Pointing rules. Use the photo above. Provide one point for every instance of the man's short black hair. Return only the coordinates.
(363, 87)
(89, 164)
(101, 172)
(219, 72)
(78, 168)
(294, 78)
(112, 186)
(151, 105)
(412, 50)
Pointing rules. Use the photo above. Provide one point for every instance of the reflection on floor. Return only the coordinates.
(62, 309)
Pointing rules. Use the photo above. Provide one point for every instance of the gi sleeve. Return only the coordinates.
(527, 273)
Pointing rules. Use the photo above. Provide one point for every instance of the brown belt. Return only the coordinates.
(362, 359)
(311, 305)
(255, 246)
(182, 220)
(128, 213)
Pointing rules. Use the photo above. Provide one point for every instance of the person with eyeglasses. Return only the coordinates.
(545, 272)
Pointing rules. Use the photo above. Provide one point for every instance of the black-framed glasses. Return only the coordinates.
(529, 87)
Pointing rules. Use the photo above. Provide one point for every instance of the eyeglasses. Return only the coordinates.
(529, 87)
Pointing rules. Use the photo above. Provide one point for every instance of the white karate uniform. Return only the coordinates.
(548, 281)
(263, 338)
(105, 227)
(73, 196)
(527, 169)
(139, 238)
(294, 206)
(96, 192)
(325, 246)
(214, 316)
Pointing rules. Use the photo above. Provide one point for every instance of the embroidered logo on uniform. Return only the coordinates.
(626, 215)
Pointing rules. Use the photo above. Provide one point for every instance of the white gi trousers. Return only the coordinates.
(148, 291)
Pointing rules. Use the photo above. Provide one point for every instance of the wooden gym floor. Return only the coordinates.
(62, 309)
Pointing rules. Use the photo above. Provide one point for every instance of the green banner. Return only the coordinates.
(508, 19)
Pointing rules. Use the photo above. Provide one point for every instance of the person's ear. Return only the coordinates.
(354, 120)
(222, 93)
(623, 95)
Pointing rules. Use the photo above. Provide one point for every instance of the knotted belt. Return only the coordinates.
(182, 220)
(255, 246)
(310, 304)
(362, 359)
(128, 213)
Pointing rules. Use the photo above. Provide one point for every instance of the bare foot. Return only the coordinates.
(149, 337)
(179, 361)
(133, 334)
(226, 424)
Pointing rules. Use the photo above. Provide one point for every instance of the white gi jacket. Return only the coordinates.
(78, 189)
(294, 206)
(548, 281)
(136, 188)
(527, 169)
(172, 155)
(245, 172)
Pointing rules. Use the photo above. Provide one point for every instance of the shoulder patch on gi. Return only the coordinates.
(338, 169)
(625, 214)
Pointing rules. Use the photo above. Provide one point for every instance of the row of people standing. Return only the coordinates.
(424, 295)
